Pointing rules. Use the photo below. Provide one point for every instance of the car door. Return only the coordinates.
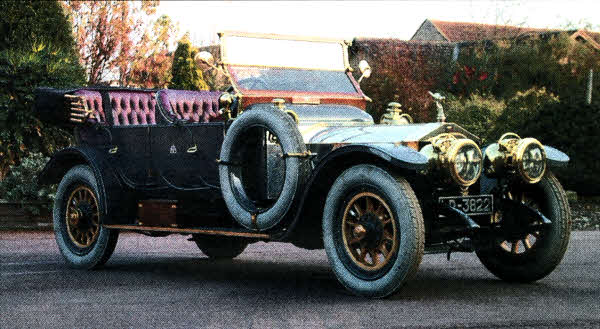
(184, 155)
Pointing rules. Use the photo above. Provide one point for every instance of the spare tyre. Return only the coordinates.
(243, 165)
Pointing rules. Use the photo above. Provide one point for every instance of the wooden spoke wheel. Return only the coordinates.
(373, 230)
(82, 217)
(369, 231)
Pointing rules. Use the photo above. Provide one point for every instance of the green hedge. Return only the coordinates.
(572, 127)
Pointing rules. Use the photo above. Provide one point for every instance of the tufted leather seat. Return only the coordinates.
(94, 103)
(193, 106)
(132, 107)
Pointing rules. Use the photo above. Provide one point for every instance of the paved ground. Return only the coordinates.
(167, 282)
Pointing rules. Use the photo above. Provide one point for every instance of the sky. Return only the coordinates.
(350, 19)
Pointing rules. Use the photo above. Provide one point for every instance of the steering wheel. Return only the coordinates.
(253, 83)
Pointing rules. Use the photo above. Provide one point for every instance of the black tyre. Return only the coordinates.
(220, 247)
(530, 257)
(78, 216)
(241, 159)
(373, 231)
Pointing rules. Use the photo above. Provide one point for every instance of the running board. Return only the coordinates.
(222, 232)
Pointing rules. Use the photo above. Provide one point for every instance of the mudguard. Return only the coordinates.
(110, 187)
(556, 158)
(397, 155)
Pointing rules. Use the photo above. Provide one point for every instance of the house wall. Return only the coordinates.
(428, 32)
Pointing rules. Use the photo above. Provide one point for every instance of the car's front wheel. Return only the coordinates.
(78, 217)
(531, 256)
(373, 231)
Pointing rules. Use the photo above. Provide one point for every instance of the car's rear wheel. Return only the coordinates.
(220, 247)
(531, 256)
(78, 217)
(373, 231)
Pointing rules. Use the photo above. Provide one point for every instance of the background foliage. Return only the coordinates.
(38, 53)
(21, 185)
(402, 72)
(185, 74)
(121, 41)
(535, 87)
(573, 128)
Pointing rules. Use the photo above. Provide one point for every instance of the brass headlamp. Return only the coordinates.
(513, 154)
(459, 158)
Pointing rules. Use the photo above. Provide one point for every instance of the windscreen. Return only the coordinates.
(260, 63)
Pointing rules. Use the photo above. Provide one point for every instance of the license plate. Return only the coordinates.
(471, 204)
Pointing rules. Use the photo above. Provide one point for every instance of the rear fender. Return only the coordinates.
(110, 188)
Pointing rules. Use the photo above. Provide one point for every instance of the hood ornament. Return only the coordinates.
(441, 117)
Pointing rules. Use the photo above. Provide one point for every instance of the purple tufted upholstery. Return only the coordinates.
(194, 106)
(94, 103)
(132, 107)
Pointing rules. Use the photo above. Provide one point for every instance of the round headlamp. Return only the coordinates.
(530, 158)
(513, 155)
(457, 158)
(464, 161)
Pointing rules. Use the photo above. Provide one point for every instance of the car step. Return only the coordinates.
(207, 231)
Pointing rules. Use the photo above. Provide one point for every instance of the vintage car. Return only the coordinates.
(289, 154)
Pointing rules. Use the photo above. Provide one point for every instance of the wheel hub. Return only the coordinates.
(82, 217)
(373, 229)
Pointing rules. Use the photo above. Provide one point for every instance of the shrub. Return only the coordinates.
(475, 113)
(21, 184)
(519, 109)
(571, 127)
(185, 74)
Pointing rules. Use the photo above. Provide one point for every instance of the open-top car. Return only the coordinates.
(288, 153)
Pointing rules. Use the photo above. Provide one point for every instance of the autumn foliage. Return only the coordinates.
(403, 71)
(119, 42)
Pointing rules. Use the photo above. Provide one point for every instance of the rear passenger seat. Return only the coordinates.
(193, 106)
(138, 107)
(133, 107)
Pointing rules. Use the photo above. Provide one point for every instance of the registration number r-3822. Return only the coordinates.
(471, 204)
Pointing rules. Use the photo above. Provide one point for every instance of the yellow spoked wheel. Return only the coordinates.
(369, 231)
(82, 217)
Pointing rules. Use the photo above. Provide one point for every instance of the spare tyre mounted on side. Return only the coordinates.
(241, 157)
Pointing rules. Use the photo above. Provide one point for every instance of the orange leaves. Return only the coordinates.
(117, 39)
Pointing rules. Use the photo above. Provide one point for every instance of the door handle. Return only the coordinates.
(193, 149)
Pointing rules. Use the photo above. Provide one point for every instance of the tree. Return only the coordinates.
(185, 73)
(152, 67)
(119, 41)
(40, 53)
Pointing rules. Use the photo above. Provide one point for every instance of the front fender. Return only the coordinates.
(305, 233)
(399, 156)
(556, 158)
(110, 188)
